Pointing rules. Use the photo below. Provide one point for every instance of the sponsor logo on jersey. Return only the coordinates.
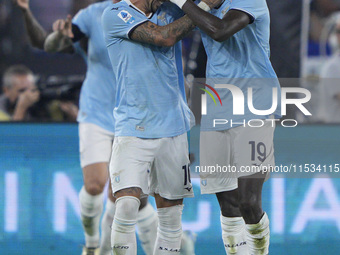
(126, 17)
(140, 128)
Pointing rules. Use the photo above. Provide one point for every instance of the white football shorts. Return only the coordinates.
(229, 154)
(158, 166)
(95, 144)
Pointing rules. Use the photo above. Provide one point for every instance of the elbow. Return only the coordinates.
(219, 33)
(169, 42)
(220, 36)
(48, 47)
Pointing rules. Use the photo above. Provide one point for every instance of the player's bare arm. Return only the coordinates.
(218, 29)
(165, 36)
(35, 31)
(61, 39)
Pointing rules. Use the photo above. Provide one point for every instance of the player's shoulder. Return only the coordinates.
(93, 9)
(117, 7)
(98, 7)
(114, 9)
(255, 8)
(121, 12)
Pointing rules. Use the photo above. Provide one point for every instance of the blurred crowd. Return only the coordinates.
(30, 92)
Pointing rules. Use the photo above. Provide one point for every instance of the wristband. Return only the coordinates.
(204, 6)
(179, 3)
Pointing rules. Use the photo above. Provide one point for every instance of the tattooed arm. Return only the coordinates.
(35, 31)
(165, 36)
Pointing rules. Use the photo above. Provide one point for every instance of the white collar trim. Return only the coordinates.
(129, 3)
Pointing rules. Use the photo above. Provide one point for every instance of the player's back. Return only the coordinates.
(150, 91)
(97, 99)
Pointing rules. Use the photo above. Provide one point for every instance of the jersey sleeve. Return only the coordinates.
(119, 23)
(254, 8)
(82, 21)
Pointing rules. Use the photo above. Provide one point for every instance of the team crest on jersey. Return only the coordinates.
(226, 9)
(126, 17)
(162, 18)
(117, 179)
(204, 182)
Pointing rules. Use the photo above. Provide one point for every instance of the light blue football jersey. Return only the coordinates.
(150, 98)
(243, 61)
(97, 97)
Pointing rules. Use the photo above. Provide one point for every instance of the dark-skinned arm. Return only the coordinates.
(165, 36)
(218, 29)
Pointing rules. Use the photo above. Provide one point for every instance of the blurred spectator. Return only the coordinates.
(285, 37)
(329, 111)
(20, 93)
(21, 100)
(63, 111)
(320, 11)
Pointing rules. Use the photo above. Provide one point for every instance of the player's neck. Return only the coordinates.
(142, 5)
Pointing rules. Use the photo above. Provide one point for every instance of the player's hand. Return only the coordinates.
(64, 26)
(212, 3)
(22, 4)
(28, 98)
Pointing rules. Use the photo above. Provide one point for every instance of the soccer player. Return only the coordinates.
(96, 123)
(236, 39)
(152, 119)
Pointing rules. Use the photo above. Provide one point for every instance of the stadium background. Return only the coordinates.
(40, 174)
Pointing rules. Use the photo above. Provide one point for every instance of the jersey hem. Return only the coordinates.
(117, 134)
(99, 125)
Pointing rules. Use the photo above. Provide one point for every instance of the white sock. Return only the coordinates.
(169, 231)
(91, 208)
(188, 243)
(123, 237)
(105, 241)
(234, 235)
(258, 237)
(147, 222)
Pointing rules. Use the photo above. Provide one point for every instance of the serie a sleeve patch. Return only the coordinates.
(126, 17)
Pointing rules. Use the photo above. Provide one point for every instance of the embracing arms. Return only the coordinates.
(218, 29)
(165, 36)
